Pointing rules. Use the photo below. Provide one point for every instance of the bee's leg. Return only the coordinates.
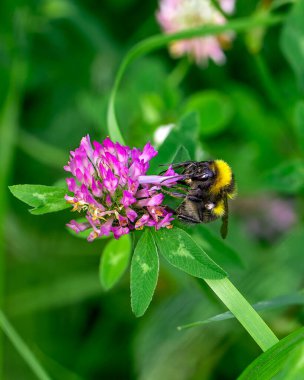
(181, 182)
(188, 219)
(193, 198)
(180, 188)
(173, 194)
(196, 195)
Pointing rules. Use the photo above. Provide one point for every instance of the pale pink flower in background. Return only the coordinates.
(177, 15)
(227, 5)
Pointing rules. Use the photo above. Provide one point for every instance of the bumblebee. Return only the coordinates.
(207, 187)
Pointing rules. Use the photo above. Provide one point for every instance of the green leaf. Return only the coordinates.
(182, 252)
(268, 364)
(288, 178)
(144, 273)
(186, 131)
(292, 41)
(44, 199)
(114, 261)
(275, 303)
(214, 110)
(181, 155)
(299, 124)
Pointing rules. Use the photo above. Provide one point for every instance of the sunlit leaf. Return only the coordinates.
(114, 261)
(44, 199)
(214, 110)
(267, 365)
(183, 253)
(144, 273)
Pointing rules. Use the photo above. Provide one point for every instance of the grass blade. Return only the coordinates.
(267, 365)
(275, 303)
(9, 114)
(244, 312)
(22, 348)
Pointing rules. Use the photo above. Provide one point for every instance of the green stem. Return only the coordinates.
(179, 72)
(22, 348)
(244, 312)
(158, 41)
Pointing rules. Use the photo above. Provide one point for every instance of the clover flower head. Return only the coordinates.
(110, 186)
(177, 15)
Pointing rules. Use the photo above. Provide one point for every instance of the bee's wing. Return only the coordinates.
(224, 227)
(189, 211)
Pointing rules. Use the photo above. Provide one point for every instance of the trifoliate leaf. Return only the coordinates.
(114, 261)
(144, 273)
(180, 250)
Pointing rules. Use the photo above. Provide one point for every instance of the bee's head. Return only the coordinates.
(203, 173)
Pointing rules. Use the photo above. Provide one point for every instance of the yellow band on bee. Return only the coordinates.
(223, 177)
(219, 209)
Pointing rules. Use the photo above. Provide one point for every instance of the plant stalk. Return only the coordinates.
(244, 312)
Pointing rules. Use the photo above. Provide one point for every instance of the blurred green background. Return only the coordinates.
(58, 63)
